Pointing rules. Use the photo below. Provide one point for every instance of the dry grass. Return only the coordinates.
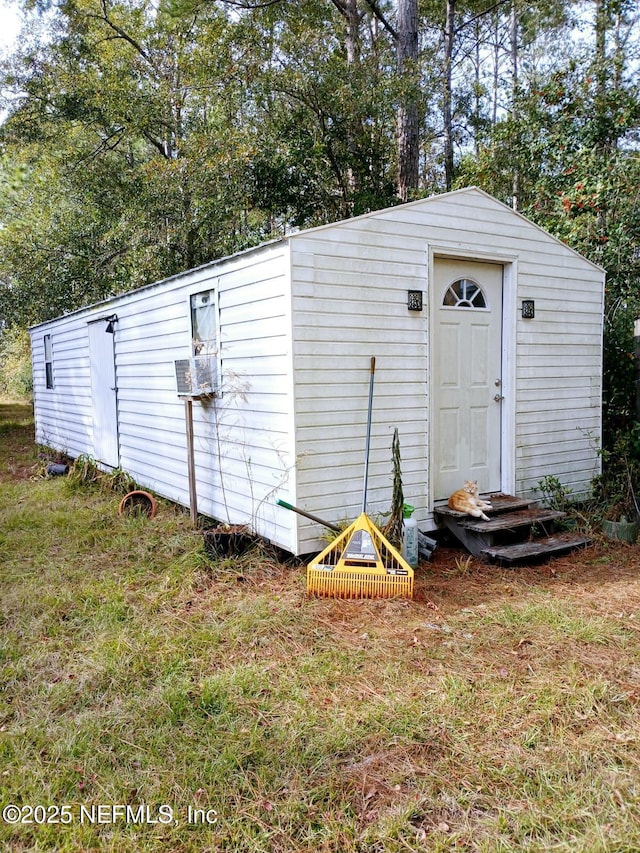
(498, 711)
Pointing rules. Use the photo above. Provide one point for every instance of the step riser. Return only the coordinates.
(473, 542)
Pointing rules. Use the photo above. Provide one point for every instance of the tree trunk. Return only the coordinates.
(477, 102)
(605, 143)
(513, 34)
(447, 98)
(408, 123)
(619, 54)
(496, 70)
(352, 41)
(602, 71)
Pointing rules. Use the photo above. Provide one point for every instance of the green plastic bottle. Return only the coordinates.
(409, 536)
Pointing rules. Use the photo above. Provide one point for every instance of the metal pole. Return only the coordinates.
(368, 443)
(191, 464)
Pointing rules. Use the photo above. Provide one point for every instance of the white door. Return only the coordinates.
(104, 394)
(466, 378)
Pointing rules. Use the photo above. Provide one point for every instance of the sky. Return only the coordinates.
(9, 24)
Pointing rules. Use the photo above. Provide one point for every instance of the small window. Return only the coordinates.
(48, 361)
(464, 293)
(204, 323)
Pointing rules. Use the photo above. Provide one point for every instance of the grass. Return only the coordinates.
(499, 711)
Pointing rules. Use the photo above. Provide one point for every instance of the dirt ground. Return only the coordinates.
(604, 575)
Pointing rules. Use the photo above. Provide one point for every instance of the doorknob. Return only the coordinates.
(498, 398)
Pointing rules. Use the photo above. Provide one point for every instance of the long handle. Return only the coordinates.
(368, 444)
(307, 515)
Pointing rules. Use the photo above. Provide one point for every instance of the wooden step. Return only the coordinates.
(500, 504)
(512, 520)
(505, 503)
(536, 549)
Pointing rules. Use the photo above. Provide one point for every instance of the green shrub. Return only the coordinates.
(85, 471)
(617, 490)
(15, 363)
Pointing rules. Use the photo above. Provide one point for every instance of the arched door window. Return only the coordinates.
(464, 293)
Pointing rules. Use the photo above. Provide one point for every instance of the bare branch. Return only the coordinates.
(121, 33)
(377, 11)
(340, 6)
(480, 15)
(263, 4)
(157, 143)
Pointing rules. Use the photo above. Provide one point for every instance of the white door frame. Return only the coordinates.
(508, 409)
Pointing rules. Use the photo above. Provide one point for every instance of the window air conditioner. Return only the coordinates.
(196, 377)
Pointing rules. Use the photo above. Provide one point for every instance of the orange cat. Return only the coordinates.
(467, 500)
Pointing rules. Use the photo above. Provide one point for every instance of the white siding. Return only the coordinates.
(255, 414)
(243, 438)
(63, 413)
(350, 302)
(153, 331)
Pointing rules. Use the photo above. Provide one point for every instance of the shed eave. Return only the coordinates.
(117, 297)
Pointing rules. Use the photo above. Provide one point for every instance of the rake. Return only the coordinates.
(360, 562)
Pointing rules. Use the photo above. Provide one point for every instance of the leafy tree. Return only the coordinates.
(16, 380)
(134, 168)
(573, 144)
(325, 142)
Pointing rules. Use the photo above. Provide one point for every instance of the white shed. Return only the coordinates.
(487, 333)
